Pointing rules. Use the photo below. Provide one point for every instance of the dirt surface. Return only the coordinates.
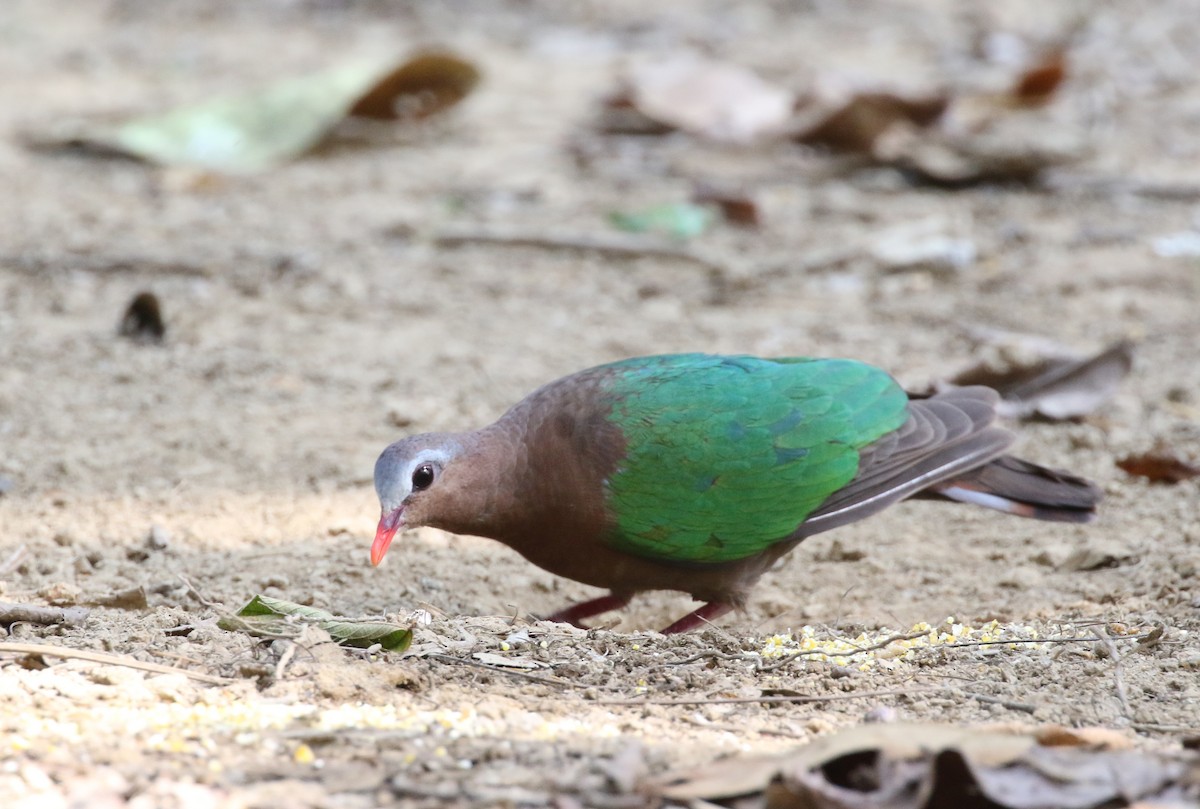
(313, 317)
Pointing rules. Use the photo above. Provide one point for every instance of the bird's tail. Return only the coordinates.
(1025, 489)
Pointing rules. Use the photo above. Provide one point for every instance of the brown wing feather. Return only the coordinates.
(1019, 487)
(945, 436)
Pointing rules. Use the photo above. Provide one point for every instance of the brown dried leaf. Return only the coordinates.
(1038, 84)
(924, 766)
(1055, 388)
(1071, 777)
(1098, 557)
(714, 100)
(620, 116)
(1159, 466)
(259, 129)
(858, 123)
(131, 598)
(735, 776)
(1096, 738)
(737, 209)
(1005, 147)
(424, 85)
(724, 778)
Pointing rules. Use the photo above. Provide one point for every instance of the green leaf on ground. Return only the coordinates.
(682, 220)
(260, 129)
(266, 616)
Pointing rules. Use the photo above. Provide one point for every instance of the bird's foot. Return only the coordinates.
(698, 618)
(577, 612)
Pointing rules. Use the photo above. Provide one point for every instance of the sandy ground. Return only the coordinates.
(312, 319)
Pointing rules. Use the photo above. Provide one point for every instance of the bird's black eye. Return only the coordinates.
(422, 477)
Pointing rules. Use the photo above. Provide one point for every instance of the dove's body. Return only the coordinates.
(695, 472)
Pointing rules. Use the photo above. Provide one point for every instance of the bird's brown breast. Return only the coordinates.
(554, 453)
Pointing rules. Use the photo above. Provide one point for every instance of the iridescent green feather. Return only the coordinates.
(728, 455)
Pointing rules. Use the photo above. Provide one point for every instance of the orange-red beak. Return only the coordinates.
(389, 524)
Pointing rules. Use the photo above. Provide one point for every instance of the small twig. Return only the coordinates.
(108, 660)
(1118, 670)
(856, 650)
(738, 731)
(13, 561)
(131, 598)
(837, 616)
(1173, 192)
(968, 644)
(610, 245)
(718, 272)
(433, 609)
(285, 659)
(501, 670)
(740, 657)
(888, 641)
(1151, 727)
(760, 666)
(765, 700)
(199, 596)
(11, 613)
(1023, 707)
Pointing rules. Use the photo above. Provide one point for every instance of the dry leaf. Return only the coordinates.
(735, 776)
(1055, 388)
(715, 100)
(260, 129)
(1097, 738)
(940, 140)
(1159, 466)
(680, 220)
(1071, 777)
(936, 766)
(1005, 147)
(422, 86)
(935, 138)
(1098, 557)
(737, 209)
(131, 598)
(619, 115)
(858, 123)
(1038, 84)
(490, 659)
(988, 138)
(723, 778)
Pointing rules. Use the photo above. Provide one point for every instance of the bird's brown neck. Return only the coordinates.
(536, 477)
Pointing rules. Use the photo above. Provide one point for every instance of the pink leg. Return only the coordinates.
(577, 612)
(698, 618)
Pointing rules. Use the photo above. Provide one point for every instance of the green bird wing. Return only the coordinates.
(726, 456)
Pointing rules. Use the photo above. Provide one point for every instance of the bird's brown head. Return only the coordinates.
(409, 479)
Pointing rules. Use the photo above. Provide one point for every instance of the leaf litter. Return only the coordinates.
(264, 616)
(1052, 386)
(925, 766)
(933, 136)
(714, 100)
(1160, 465)
(260, 129)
